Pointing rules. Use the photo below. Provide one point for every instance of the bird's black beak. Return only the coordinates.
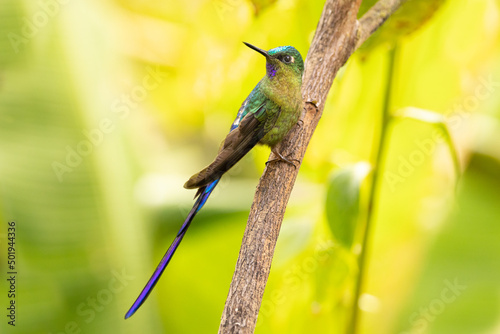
(262, 52)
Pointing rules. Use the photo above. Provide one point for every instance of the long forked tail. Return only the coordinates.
(203, 194)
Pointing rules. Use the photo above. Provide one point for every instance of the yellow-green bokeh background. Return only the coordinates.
(115, 212)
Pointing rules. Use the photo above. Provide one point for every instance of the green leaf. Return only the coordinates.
(437, 120)
(343, 201)
(408, 18)
(260, 5)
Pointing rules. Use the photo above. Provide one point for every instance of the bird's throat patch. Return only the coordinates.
(271, 70)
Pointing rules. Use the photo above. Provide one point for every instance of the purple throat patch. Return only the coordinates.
(271, 70)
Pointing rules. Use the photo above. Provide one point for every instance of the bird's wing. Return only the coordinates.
(251, 124)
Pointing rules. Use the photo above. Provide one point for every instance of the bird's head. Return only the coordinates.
(281, 60)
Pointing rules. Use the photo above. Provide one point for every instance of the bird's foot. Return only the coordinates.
(282, 158)
(314, 102)
(311, 105)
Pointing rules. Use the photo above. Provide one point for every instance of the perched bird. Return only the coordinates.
(273, 107)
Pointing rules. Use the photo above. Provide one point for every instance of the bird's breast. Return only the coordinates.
(289, 111)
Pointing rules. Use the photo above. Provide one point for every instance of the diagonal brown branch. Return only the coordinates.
(337, 36)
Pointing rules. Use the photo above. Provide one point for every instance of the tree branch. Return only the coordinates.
(375, 17)
(338, 35)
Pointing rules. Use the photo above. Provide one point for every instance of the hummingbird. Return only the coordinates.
(269, 112)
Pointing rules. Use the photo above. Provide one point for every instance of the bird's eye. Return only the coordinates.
(287, 59)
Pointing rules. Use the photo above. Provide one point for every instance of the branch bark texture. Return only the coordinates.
(337, 36)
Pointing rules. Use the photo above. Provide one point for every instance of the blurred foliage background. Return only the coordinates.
(107, 107)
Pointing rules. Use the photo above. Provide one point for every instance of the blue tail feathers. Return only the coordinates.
(202, 194)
